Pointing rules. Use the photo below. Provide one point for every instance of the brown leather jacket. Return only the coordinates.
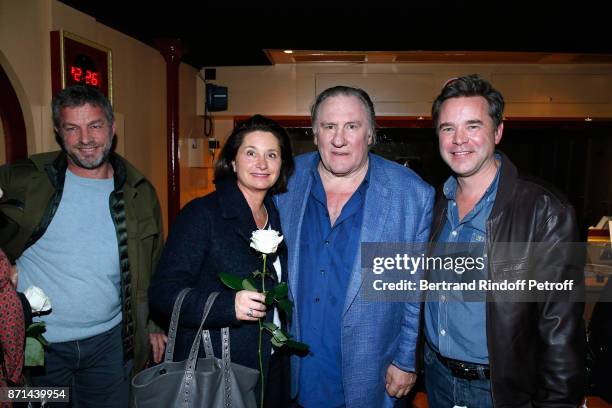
(536, 349)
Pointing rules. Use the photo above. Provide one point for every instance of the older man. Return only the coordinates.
(362, 353)
(85, 225)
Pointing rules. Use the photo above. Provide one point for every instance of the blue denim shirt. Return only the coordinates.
(454, 328)
(327, 255)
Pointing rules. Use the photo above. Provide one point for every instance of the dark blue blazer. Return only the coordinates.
(212, 235)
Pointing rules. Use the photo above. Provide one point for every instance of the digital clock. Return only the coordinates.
(77, 61)
(84, 71)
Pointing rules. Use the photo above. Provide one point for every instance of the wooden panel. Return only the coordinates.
(470, 57)
(330, 58)
(433, 57)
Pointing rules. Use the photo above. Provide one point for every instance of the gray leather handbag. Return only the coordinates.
(196, 382)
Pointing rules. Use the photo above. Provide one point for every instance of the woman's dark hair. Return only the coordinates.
(470, 85)
(223, 167)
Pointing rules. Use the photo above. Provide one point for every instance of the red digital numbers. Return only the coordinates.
(76, 73)
(90, 77)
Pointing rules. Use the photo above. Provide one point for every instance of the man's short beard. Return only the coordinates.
(90, 166)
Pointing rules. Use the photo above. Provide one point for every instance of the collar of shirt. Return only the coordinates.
(318, 192)
(487, 200)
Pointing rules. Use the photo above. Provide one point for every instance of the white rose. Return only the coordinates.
(39, 301)
(266, 241)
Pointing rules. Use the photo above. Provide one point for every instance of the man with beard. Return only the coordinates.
(85, 226)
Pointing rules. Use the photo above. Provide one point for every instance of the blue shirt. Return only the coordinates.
(454, 328)
(327, 254)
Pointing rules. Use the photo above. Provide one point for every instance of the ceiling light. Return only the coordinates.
(288, 51)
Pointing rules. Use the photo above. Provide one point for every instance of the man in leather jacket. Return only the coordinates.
(500, 353)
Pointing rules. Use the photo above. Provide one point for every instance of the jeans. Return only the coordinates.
(92, 368)
(446, 391)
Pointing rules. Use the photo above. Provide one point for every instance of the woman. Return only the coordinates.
(211, 235)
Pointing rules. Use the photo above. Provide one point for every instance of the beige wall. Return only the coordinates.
(195, 181)
(560, 90)
(24, 55)
(139, 82)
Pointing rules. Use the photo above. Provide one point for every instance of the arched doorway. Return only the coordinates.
(13, 124)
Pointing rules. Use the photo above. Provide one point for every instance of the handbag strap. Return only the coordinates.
(195, 346)
(225, 360)
(226, 366)
(225, 339)
(208, 349)
(176, 311)
(189, 377)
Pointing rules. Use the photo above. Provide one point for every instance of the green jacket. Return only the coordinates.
(32, 193)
